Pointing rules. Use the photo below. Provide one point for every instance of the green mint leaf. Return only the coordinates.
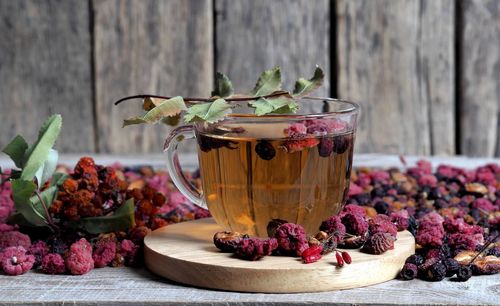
(38, 153)
(166, 108)
(19, 219)
(269, 82)
(45, 172)
(16, 149)
(223, 86)
(274, 105)
(121, 219)
(210, 112)
(22, 192)
(303, 87)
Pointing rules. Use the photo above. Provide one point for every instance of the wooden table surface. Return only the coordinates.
(140, 287)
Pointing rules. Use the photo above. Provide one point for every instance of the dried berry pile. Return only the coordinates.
(97, 192)
(454, 214)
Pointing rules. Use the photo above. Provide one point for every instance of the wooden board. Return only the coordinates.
(479, 78)
(185, 253)
(45, 68)
(397, 59)
(162, 47)
(252, 36)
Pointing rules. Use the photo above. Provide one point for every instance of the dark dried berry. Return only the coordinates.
(270, 245)
(408, 272)
(464, 273)
(436, 272)
(265, 150)
(291, 238)
(378, 243)
(452, 266)
(325, 147)
(382, 208)
(273, 225)
(340, 144)
(495, 251)
(333, 226)
(415, 259)
(228, 241)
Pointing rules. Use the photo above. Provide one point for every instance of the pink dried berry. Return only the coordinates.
(333, 226)
(104, 253)
(355, 224)
(291, 238)
(53, 264)
(14, 238)
(15, 261)
(250, 249)
(79, 260)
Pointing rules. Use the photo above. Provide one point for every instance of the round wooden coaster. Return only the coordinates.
(185, 253)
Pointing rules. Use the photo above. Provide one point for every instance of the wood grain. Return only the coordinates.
(185, 253)
(397, 59)
(479, 82)
(252, 36)
(163, 47)
(44, 69)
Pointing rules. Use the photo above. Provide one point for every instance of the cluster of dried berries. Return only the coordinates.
(351, 229)
(93, 190)
(450, 212)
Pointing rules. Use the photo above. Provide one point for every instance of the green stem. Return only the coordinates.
(50, 222)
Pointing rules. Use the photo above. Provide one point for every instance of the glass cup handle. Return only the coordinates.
(170, 148)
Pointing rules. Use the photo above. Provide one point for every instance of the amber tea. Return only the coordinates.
(253, 173)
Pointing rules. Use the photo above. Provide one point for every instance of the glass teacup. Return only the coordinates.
(255, 169)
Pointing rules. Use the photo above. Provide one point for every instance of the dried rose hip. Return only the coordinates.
(228, 241)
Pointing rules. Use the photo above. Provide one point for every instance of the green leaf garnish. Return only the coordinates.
(45, 172)
(269, 82)
(209, 112)
(22, 192)
(121, 219)
(37, 154)
(223, 86)
(279, 104)
(170, 107)
(303, 86)
(16, 150)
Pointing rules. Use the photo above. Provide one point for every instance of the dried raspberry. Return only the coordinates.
(228, 241)
(434, 253)
(355, 224)
(381, 224)
(484, 205)
(7, 228)
(291, 238)
(250, 249)
(353, 209)
(295, 145)
(270, 245)
(104, 253)
(401, 219)
(130, 252)
(333, 226)
(79, 260)
(430, 238)
(427, 180)
(39, 250)
(354, 189)
(273, 225)
(296, 130)
(15, 261)
(14, 238)
(408, 272)
(53, 263)
(378, 243)
(460, 241)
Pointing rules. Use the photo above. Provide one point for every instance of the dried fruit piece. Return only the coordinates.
(408, 272)
(340, 260)
(15, 261)
(273, 225)
(250, 249)
(291, 238)
(265, 150)
(464, 273)
(378, 243)
(228, 241)
(333, 226)
(53, 263)
(347, 258)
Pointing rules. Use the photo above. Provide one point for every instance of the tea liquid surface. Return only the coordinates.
(257, 175)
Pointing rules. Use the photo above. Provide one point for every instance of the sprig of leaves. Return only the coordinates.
(267, 97)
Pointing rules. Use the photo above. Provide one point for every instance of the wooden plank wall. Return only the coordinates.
(426, 72)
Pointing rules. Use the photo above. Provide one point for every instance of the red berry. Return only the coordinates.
(347, 258)
(314, 250)
(311, 258)
(340, 260)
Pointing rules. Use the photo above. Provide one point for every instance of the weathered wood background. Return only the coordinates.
(426, 72)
